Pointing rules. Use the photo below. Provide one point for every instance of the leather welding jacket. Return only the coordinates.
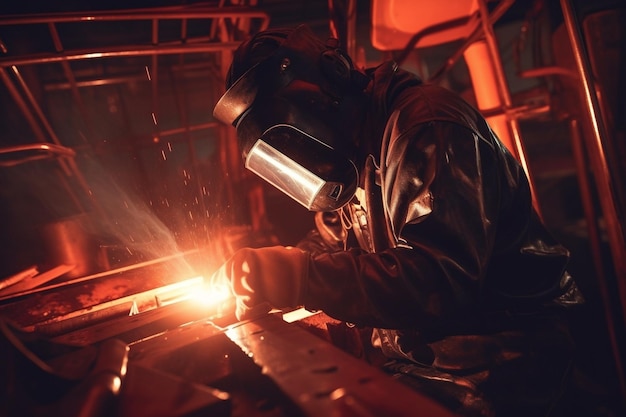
(463, 240)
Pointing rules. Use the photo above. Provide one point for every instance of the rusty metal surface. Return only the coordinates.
(261, 368)
(143, 283)
(323, 380)
(273, 368)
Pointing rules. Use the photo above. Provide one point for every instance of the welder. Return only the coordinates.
(425, 227)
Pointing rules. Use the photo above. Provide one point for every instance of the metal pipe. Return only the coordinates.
(351, 29)
(33, 102)
(138, 14)
(597, 147)
(154, 79)
(479, 60)
(53, 150)
(96, 82)
(505, 97)
(58, 46)
(112, 52)
(497, 13)
(217, 24)
(185, 46)
(69, 74)
(141, 76)
(15, 155)
(197, 66)
(526, 111)
(440, 27)
(22, 105)
(342, 24)
(69, 166)
(183, 30)
(582, 174)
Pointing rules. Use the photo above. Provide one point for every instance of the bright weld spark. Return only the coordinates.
(154, 120)
(210, 295)
(163, 155)
(169, 146)
(148, 73)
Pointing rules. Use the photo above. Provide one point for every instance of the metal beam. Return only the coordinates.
(323, 380)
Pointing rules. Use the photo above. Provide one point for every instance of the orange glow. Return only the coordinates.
(214, 298)
(211, 295)
(395, 22)
(484, 79)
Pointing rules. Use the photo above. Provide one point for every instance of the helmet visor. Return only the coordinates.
(304, 168)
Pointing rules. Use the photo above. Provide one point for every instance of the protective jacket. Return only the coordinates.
(449, 244)
(451, 224)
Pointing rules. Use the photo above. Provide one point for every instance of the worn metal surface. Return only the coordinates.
(321, 379)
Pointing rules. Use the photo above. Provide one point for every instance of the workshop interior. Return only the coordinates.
(120, 193)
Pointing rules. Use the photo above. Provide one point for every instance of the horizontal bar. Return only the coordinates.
(118, 52)
(136, 14)
(323, 380)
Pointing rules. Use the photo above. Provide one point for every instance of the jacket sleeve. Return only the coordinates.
(441, 191)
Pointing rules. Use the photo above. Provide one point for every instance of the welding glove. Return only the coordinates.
(264, 277)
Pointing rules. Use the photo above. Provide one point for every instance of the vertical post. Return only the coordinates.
(597, 147)
(484, 58)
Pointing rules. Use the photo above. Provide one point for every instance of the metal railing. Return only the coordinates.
(225, 26)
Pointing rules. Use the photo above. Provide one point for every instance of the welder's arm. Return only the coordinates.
(442, 198)
(399, 287)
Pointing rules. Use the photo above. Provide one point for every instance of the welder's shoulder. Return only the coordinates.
(426, 103)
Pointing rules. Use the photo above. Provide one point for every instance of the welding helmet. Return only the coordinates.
(294, 101)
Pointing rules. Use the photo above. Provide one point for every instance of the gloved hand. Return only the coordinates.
(263, 278)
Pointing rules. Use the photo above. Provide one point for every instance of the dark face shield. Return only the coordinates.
(303, 167)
